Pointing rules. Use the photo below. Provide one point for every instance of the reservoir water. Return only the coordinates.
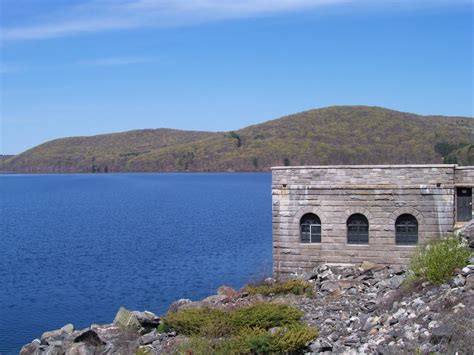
(74, 248)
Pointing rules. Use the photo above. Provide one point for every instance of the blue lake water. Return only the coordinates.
(74, 248)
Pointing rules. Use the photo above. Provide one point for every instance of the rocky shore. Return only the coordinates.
(366, 308)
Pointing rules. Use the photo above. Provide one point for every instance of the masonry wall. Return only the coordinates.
(381, 193)
(464, 176)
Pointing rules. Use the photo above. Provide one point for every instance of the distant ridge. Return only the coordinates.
(332, 135)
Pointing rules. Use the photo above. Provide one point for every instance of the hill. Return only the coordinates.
(333, 135)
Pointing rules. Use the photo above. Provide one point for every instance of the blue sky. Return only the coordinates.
(71, 67)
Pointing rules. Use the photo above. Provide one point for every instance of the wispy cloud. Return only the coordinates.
(105, 15)
(114, 61)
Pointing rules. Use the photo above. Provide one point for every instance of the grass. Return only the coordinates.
(437, 261)
(259, 328)
(297, 287)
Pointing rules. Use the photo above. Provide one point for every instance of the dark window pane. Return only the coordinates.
(357, 229)
(406, 230)
(310, 228)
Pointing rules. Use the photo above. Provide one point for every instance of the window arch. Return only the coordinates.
(406, 230)
(357, 229)
(310, 228)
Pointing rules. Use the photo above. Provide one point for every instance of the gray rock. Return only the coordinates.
(176, 306)
(459, 281)
(31, 348)
(51, 334)
(68, 328)
(443, 331)
(329, 286)
(320, 346)
(470, 282)
(150, 337)
(53, 350)
(80, 349)
(147, 319)
(89, 337)
(126, 320)
(396, 281)
(216, 299)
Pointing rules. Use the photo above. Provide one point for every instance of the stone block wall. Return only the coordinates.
(464, 176)
(381, 193)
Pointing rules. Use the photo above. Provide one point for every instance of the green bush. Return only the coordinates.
(297, 287)
(199, 321)
(266, 316)
(437, 261)
(254, 341)
(244, 330)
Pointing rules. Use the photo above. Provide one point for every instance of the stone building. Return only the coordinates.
(379, 213)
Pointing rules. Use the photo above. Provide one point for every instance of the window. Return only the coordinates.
(310, 228)
(357, 229)
(406, 230)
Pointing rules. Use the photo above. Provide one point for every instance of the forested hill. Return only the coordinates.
(333, 135)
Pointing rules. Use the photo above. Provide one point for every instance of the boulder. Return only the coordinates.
(80, 349)
(176, 306)
(31, 348)
(216, 299)
(68, 328)
(228, 292)
(329, 286)
(89, 337)
(396, 281)
(51, 334)
(147, 319)
(126, 320)
(459, 281)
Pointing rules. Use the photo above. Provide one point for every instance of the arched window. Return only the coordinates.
(310, 228)
(357, 229)
(406, 230)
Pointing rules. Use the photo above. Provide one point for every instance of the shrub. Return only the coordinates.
(297, 287)
(199, 321)
(244, 330)
(437, 261)
(266, 316)
(293, 339)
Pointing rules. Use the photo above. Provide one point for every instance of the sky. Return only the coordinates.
(85, 67)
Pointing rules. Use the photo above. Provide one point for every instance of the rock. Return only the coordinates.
(31, 348)
(396, 281)
(89, 337)
(53, 350)
(401, 313)
(469, 282)
(147, 319)
(270, 280)
(216, 299)
(443, 331)
(126, 320)
(51, 334)
(320, 346)
(228, 292)
(80, 349)
(150, 337)
(459, 281)
(329, 286)
(326, 275)
(68, 328)
(175, 306)
(367, 266)
(433, 324)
